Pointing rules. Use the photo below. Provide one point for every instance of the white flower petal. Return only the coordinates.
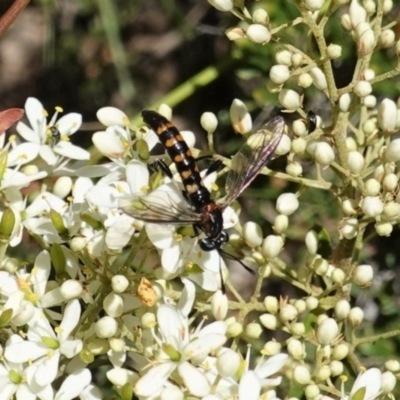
(186, 300)
(271, 366)
(371, 380)
(96, 171)
(109, 116)
(154, 379)
(23, 351)
(47, 370)
(189, 138)
(195, 380)
(71, 348)
(170, 258)
(108, 144)
(172, 325)
(47, 154)
(27, 133)
(36, 116)
(72, 313)
(41, 272)
(121, 376)
(119, 234)
(151, 139)
(68, 124)
(160, 235)
(19, 180)
(67, 149)
(103, 196)
(137, 176)
(80, 188)
(91, 392)
(249, 387)
(22, 154)
(74, 385)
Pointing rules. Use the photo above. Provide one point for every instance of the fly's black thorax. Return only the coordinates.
(212, 221)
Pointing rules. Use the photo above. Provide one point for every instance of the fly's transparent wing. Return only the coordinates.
(163, 207)
(252, 156)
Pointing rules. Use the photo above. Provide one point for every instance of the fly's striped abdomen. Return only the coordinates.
(181, 155)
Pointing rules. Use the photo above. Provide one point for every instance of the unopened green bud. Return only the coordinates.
(234, 329)
(143, 150)
(58, 259)
(3, 163)
(127, 391)
(7, 224)
(58, 223)
(91, 221)
(98, 346)
(5, 317)
(86, 355)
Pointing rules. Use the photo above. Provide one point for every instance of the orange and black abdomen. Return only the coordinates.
(181, 155)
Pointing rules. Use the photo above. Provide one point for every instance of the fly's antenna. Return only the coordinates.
(231, 256)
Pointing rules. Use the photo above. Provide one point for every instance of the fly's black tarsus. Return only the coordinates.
(311, 121)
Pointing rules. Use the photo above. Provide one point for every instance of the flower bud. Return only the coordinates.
(313, 5)
(283, 57)
(362, 88)
(117, 345)
(228, 363)
(296, 349)
(391, 210)
(119, 283)
(383, 228)
(389, 182)
(71, 289)
(222, 5)
(370, 101)
(252, 234)
(357, 13)
(349, 228)
(287, 203)
(351, 144)
(260, 16)
(301, 375)
(272, 246)
(7, 224)
(235, 329)
(219, 305)
(334, 51)
(345, 21)
(63, 186)
(294, 168)
(271, 304)
(240, 117)
(311, 242)
(235, 33)
(319, 78)
(323, 373)
(344, 102)
(327, 331)
(392, 365)
(305, 80)
(148, 320)
(363, 275)
(370, 6)
(258, 33)
(398, 48)
(388, 382)
(78, 244)
(298, 329)
(312, 391)
(281, 223)
(253, 330)
(392, 153)
(113, 305)
(300, 305)
(372, 187)
(342, 309)
(284, 146)
(349, 206)
(288, 313)
(98, 346)
(320, 266)
(366, 39)
(387, 6)
(387, 38)
(356, 316)
(338, 276)
(272, 347)
(165, 110)
(312, 303)
(336, 368)
(355, 161)
(279, 74)
(340, 351)
(324, 153)
(209, 121)
(106, 327)
(289, 99)
(58, 223)
(299, 128)
(269, 321)
(387, 115)
(371, 206)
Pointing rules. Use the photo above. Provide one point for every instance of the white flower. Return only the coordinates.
(368, 383)
(39, 137)
(46, 344)
(179, 348)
